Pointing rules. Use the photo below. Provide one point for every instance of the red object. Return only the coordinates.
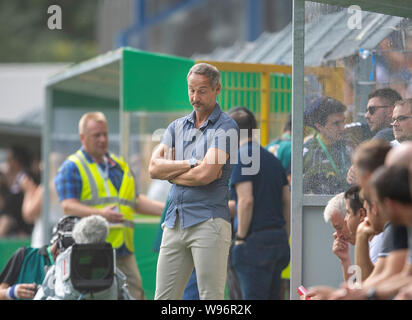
(302, 291)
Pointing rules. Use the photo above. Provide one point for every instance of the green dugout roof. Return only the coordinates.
(132, 77)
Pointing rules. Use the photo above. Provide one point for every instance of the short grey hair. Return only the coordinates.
(337, 203)
(205, 69)
(92, 229)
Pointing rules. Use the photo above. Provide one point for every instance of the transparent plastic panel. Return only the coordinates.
(349, 53)
(146, 129)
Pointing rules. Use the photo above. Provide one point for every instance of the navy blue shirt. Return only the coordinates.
(197, 204)
(268, 185)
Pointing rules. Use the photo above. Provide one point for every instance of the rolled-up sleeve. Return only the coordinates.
(168, 137)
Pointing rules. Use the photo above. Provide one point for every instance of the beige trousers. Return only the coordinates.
(204, 246)
(128, 266)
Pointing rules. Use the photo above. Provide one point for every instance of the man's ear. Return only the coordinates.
(218, 88)
(362, 214)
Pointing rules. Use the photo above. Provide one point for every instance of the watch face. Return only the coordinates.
(371, 294)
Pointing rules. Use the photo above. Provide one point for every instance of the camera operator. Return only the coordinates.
(26, 268)
(62, 279)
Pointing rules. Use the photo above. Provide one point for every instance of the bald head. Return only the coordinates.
(400, 155)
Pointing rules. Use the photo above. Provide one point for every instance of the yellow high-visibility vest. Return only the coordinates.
(99, 192)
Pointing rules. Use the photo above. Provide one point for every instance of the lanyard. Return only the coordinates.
(50, 255)
(104, 174)
(332, 162)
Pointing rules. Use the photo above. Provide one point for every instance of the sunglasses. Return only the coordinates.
(372, 109)
(399, 119)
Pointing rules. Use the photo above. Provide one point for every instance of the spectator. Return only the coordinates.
(90, 230)
(394, 246)
(367, 158)
(93, 181)
(391, 185)
(402, 121)
(393, 241)
(12, 224)
(326, 156)
(26, 268)
(282, 148)
(356, 133)
(4, 195)
(355, 213)
(261, 249)
(335, 212)
(379, 112)
(32, 206)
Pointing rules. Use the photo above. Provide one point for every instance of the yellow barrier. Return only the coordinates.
(262, 93)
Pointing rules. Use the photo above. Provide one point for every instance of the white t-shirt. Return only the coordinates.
(409, 258)
(375, 246)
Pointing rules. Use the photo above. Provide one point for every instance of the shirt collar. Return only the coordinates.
(90, 159)
(212, 117)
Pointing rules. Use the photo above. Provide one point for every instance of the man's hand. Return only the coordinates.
(163, 165)
(365, 229)
(24, 290)
(27, 183)
(404, 294)
(111, 214)
(351, 175)
(345, 293)
(318, 293)
(340, 248)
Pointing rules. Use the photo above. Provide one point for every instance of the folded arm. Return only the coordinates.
(209, 170)
(163, 167)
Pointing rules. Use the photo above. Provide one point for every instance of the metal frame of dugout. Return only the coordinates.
(312, 262)
(141, 92)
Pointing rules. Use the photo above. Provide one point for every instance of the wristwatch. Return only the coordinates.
(371, 294)
(239, 238)
(192, 162)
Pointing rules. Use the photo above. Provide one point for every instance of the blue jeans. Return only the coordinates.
(259, 262)
(191, 291)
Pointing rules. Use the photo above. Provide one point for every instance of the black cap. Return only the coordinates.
(62, 232)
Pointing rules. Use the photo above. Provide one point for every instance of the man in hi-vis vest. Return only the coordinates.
(93, 181)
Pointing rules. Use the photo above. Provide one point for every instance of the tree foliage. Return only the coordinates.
(25, 36)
